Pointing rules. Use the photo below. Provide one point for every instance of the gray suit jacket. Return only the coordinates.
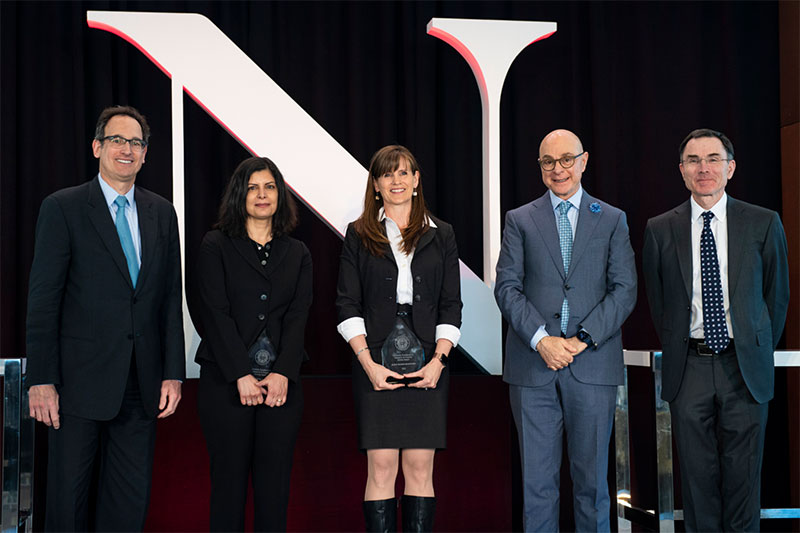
(758, 288)
(531, 286)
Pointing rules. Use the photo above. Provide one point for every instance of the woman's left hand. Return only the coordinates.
(277, 388)
(429, 373)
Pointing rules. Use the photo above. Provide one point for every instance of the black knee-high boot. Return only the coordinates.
(381, 515)
(418, 513)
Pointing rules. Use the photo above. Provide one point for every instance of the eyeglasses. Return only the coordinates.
(712, 160)
(548, 163)
(118, 141)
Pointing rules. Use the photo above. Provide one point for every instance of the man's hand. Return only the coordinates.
(43, 404)
(170, 397)
(556, 352)
(578, 345)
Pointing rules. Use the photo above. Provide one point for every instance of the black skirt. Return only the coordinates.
(402, 418)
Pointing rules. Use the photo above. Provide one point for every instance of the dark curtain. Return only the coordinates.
(630, 78)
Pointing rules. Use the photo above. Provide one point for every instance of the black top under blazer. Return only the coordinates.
(85, 319)
(235, 297)
(367, 285)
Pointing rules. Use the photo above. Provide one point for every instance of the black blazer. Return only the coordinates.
(84, 317)
(367, 285)
(758, 287)
(235, 297)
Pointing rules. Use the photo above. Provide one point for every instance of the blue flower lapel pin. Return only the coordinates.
(594, 207)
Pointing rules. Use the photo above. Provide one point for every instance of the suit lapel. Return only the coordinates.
(426, 239)
(587, 222)
(543, 216)
(100, 216)
(736, 227)
(148, 230)
(681, 223)
(244, 247)
(277, 251)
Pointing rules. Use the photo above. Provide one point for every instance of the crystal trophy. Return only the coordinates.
(402, 352)
(262, 356)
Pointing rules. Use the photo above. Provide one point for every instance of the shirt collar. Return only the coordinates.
(111, 195)
(574, 200)
(382, 217)
(719, 209)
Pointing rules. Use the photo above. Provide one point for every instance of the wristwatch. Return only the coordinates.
(442, 358)
(584, 337)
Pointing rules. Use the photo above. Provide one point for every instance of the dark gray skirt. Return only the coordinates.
(400, 418)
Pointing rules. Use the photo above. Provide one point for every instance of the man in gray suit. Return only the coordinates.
(716, 272)
(566, 281)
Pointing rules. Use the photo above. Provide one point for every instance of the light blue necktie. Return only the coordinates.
(714, 325)
(565, 238)
(126, 240)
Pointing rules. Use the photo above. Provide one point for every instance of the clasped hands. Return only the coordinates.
(379, 374)
(271, 390)
(558, 352)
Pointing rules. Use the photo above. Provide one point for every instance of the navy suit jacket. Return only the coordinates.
(758, 288)
(85, 319)
(531, 286)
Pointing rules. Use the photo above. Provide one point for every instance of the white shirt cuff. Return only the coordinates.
(540, 334)
(352, 327)
(449, 332)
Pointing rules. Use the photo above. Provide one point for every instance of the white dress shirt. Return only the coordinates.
(719, 227)
(574, 202)
(354, 326)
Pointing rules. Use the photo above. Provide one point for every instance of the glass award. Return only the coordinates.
(262, 356)
(402, 352)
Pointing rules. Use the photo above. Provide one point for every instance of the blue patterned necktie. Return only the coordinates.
(714, 325)
(126, 240)
(565, 238)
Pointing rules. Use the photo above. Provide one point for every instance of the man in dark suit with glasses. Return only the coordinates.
(105, 332)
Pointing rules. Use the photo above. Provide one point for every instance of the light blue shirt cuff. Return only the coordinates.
(539, 335)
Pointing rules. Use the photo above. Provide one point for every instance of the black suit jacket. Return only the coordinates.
(367, 285)
(758, 287)
(85, 319)
(235, 297)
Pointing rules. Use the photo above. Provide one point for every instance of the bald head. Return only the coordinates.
(562, 152)
(564, 136)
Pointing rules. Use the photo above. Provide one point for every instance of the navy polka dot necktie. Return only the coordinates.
(714, 325)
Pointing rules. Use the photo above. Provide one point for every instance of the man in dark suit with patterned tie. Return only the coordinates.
(717, 281)
(105, 332)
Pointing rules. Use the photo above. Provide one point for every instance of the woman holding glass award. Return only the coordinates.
(253, 296)
(399, 307)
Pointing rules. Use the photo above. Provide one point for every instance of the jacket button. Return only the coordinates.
(263, 297)
(418, 279)
(417, 298)
(685, 339)
(567, 287)
(135, 300)
(261, 316)
(263, 262)
(391, 298)
(557, 315)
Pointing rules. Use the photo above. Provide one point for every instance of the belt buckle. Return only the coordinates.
(704, 350)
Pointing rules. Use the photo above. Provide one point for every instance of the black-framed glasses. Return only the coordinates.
(118, 141)
(566, 161)
(694, 161)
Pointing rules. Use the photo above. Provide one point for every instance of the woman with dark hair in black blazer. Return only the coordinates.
(399, 261)
(253, 279)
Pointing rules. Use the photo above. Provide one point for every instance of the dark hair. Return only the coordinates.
(388, 159)
(233, 208)
(705, 132)
(109, 112)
